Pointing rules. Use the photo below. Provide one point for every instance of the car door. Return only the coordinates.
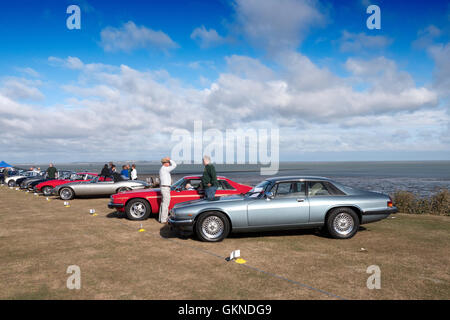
(289, 206)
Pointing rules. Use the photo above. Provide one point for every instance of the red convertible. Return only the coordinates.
(139, 204)
(47, 187)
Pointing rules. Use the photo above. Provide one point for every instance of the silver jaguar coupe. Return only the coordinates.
(284, 203)
(97, 187)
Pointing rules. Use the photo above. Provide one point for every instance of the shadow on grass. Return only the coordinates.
(169, 233)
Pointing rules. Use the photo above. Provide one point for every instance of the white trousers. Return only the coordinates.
(164, 206)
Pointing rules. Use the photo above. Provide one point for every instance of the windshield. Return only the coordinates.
(258, 189)
(177, 184)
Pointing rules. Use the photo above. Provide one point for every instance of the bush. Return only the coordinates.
(437, 204)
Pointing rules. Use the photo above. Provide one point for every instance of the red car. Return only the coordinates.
(139, 204)
(47, 187)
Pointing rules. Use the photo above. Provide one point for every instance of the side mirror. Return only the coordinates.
(269, 195)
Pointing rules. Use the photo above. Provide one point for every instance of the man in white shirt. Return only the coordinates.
(133, 172)
(165, 181)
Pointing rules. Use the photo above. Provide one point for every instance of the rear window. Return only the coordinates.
(323, 188)
(224, 185)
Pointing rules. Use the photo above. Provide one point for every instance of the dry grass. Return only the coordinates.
(41, 239)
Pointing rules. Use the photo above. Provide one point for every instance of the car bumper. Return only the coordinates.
(377, 215)
(185, 226)
(112, 205)
(383, 211)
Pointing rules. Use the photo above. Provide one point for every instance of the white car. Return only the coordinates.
(11, 181)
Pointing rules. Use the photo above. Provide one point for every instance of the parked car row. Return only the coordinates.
(278, 203)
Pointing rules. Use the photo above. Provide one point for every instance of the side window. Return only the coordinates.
(317, 188)
(192, 184)
(289, 189)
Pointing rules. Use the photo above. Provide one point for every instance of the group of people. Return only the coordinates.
(128, 172)
(209, 183)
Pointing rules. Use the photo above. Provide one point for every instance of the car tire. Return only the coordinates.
(66, 193)
(47, 191)
(342, 223)
(212, 226)
(138, 209)
(11, 183)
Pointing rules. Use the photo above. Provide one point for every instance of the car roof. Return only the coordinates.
(299, 178)
(199, 177)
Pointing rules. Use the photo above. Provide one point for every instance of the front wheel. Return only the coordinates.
(138, 209)
(47, 191)
(212, 227)
(342, 223)
(66, 194)
(11, 183)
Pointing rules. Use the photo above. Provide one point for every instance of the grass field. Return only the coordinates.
(40, 239)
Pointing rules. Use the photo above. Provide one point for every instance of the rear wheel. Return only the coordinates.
(342, 223)
(138, 209)
(47, 191)
(212, 227)
(123, 189)
(66, 194)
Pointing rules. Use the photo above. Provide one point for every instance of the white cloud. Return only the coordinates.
(207, 38)
(131, 114)
(277, 24)
(440, 54)
(21, 89)
(426, 37)
(29, 71)
(360, 42)
(130, 37)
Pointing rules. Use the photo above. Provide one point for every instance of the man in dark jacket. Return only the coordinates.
(105, 172)
(116, 176)
(209, 179)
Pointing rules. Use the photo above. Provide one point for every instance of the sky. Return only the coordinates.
(136, 71)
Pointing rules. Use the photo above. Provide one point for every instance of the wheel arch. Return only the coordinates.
(355, 208)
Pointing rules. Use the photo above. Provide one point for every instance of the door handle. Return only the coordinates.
(300, 200)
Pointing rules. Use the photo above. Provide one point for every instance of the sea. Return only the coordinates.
(422, 178)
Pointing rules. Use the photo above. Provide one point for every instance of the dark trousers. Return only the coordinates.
(210, 192)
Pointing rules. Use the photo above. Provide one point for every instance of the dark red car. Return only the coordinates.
(139, 204)
(47, 187)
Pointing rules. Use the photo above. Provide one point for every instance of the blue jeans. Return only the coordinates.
(210, 193)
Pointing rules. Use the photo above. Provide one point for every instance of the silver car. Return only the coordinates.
(284, 203)
(97, 187)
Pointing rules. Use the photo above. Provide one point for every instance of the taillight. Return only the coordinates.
(390, 204)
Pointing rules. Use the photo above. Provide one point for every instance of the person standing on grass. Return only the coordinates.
(52, 173)
(165, 180)
(133, 173)
(209, 179)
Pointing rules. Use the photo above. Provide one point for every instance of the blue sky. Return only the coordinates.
(380, 94)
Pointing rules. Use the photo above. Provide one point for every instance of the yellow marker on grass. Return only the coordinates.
(141, 229)
(240, 261)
